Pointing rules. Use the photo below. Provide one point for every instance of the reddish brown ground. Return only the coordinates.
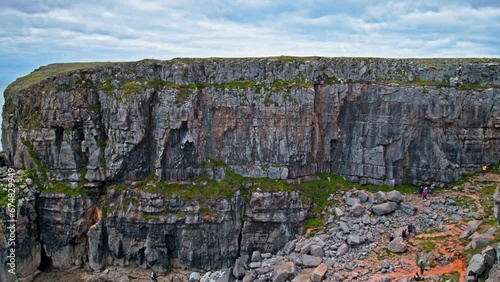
(447, 243)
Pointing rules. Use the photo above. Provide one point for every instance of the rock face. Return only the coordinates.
(262, 117)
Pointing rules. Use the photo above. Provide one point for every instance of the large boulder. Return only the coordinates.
(384, 208)
(489, 256)
(480, 240)
(397, 245)
(395, 196)
(477, 265)
(471, 228)
(496, 204)
(378, 198)
(311, 261)
(240, 267)
(283, 272)
(357, 210)
(351, 201)
(318, 273)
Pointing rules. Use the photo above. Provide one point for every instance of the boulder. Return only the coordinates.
(480, 240)
(240, 267)
(397, 245)
(357, 210)
(318, 273)
(471, 228)
(362, 196)
(351, 201)
(342, 249)
(489, 256)
(316, 251)
(384, 208)
(338, 212)
(283, 272)
(395, 196)
(311, 261)
(494, 275)
(379, 198)
(256, 256)
(194, 277)
(477, 265)
(496, 204)
(355, 240)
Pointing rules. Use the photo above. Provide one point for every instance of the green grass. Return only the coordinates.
(48, 71)
(61, 187)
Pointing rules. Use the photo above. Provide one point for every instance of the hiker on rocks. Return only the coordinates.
(417, 277)
(432, 189)
(391, 237)
(403, 234)
(153, 277)
(420, 190)
(424, 194)
(410, 229)
(485, 167)
(421, 265)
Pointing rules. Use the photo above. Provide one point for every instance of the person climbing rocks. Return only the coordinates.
(417, 277)
(421, 265)
(403, 234)
(410, 229)
(424, 194)
(153, 277)
(391, 237)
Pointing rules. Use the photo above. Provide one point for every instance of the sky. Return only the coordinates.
(38, 32)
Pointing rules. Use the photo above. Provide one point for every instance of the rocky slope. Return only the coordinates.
(371, 120)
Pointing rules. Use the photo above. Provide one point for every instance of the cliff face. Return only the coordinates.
(371, 120)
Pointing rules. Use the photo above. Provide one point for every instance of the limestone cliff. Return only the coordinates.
(371, 120)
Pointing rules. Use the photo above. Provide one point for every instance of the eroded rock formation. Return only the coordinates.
(371, 120)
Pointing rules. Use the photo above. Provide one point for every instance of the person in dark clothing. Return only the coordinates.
(153, 277)
(421, 264)
(391, 237)
(410, 229)
(404, 235)
(417, 277)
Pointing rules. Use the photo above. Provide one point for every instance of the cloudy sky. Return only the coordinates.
(39, 32)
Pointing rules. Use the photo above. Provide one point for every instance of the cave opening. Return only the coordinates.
(45, 262)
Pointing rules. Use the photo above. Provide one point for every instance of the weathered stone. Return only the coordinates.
(283, 272)
(471, 228)
(318, 273)
(489, 256)
(357, 210)
(342, 249)
(397, 245)
(256, 256)
(480, 240)
(379, 197)
(351, 201)
(477, 265)
(384, 208)
(395, 196)
(240, 267)
(362, 196)
(355, 240)
(310, 261)
(316, 251)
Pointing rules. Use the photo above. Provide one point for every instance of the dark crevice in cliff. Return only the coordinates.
(240, 235)
(46, 261)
